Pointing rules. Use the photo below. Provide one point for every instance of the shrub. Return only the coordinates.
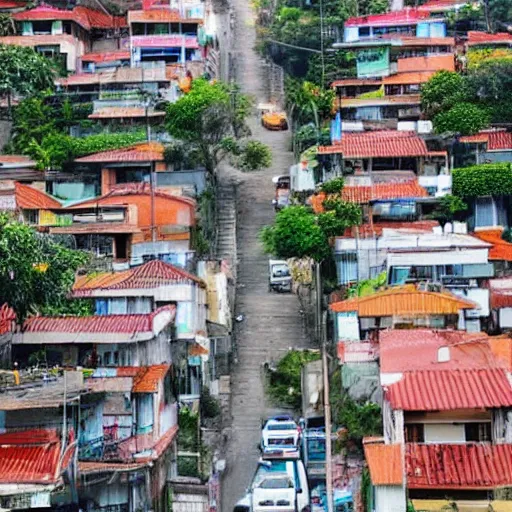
(482, 180)
(463, 118)
(255, 155)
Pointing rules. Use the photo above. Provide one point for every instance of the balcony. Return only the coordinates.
(165, 41)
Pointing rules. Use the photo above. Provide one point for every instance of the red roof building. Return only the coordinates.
(144, 152)
(496, 140)
(485, 39)
(383, 144)
(384, 462)
(408, 16)
(445, 390)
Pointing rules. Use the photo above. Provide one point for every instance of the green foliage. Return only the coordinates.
(75, 307)
(338, 64)
(23, 284)
(255, 155)
(334, 186)
(507, 235)
(23, 71)
(368, 286)
(6, 24)
(338, 216)
(482, 180)
(483, 55)
(450, 208)
(379, 93)
(295, 234)
(441, 92)
(307, 136)
(285, 383)
(210, 407)
(188, 434)
(463, 118)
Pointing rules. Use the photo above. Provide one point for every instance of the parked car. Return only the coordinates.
(280, 434)
(279, 278)
(278, 485)
(282, 195)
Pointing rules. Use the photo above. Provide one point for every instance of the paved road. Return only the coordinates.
(272, 322)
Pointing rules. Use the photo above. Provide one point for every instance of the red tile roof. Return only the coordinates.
(144, 152)
(500, 250)
(84, 16)
(384, 462)
(501, 293)
(133, 323)
(153, 274)
(377, 229)
(499, 141)
(7, 318)
(443, 390)
(32, 199)
(31, 457)
(467, 350)
(501, 347)
(161, 15)
(108, 56)
(458, 466)
(408, 16)
(8, 4)
(478, 38)
(124, 112)
(148, 378)
(384, 144)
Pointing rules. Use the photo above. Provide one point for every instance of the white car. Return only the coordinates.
(280, 434)
(275, 492)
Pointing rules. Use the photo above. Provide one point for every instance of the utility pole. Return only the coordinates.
(322, 338)
(322, 59)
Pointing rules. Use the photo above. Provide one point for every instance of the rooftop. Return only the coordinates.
(18, 160)
(30, 198)
(497, 140)
(404, 99)
(444, 390)
(119, 76)
(167, 41)
(86, 17)
(107, 56)
(501, 250)
(408, 16)
(161, 15)
(150, 275)
(381, 144)
(458, 466)
(427, 63)
(441, 5)
(124, 112)
(404, 301)
(144, 152)
(148, 379)
(484, 38)
(32, 457)
(501, 292)
(410, 78)
(384, 462)
(467, 350)
(378, 228)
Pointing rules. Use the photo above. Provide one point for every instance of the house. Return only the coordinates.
(446, 412)
(127, 442)
(95, 62)
(144, 289)
(65, 34)
(488, 146)
(161, 33)
(361, 318)
(115, 340)
(501, 303)
(368, 153)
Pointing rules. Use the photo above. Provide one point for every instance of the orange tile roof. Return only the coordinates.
(148, 378)
(501, 347)
(107, 56)
(381, 144)
(479, 138)
(405, 300)
(122, 112)
(384, 462)
(477, 38)
(429, 63)
(144, 152)
(500, 250)
(417, 77)
(150, 275)
(445, 390)
(377, 228)
(159, 16)
(32, 199)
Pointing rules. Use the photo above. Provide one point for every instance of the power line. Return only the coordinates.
(293, 46)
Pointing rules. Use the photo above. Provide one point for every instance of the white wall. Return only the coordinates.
(390, 498)
(455, 257)
(505, 317)
(444, 433)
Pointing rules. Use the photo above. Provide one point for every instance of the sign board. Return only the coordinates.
(347, 325)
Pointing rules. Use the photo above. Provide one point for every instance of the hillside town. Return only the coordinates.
(256, 256)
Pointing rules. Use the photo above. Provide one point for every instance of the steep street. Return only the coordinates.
(272, 321)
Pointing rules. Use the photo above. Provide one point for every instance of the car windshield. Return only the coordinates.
(282, 426)
(276, 483)
(280, 271)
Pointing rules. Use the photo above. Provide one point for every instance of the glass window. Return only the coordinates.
(364, 31)
(399, 275)
(414, 433)
(347, 267)
(106, 358)
(478, 432)
(161, 28)
(27, 28)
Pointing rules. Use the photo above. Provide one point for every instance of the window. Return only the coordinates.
(116, 358)
(145, 413)
(26, 28)
(415, 433)
(106, 358)
(161, 29)
(364, 31)
(488, 212)
(478, 432)
(346, 264)
(31, 216)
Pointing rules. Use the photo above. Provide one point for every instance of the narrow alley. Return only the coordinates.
(272, 322)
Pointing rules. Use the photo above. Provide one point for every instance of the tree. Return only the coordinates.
(211, 119)
(450, 208)
(24, 72)
(295, 234)
(441, 92)
(35, 272)
(463, 118)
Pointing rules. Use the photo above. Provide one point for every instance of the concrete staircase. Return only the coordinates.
(226, 224)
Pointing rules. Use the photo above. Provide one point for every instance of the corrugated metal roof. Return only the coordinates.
(159, 16)
(384, 462)
(7, 4)
(148, 378)
(458, 466)
(32, 199)
(467, 350)
(383, 144)
(443, 390)
(30, 457)
(7, 317)
(94, 324)
(144, 152)
(408, 16)
(91, 468)
(477, 38)
(404, 300)
(122, 112)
